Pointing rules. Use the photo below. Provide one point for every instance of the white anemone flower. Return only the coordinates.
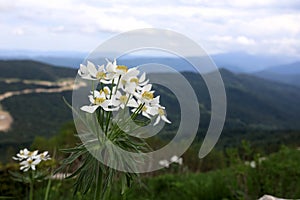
(98, 99)
(44, 156)
(161, 115)
(147, 111)
(130, 81)
(85, 71)
(29, 159)
(111, 69)
(106, 90)
(122, 101)
(90, 72)
(97, 74)
(114, 71)
(29, 163)
(176, 159)
(23, 154)
(145, 95)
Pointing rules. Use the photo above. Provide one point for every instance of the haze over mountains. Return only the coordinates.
(276, 68)
(289, 73)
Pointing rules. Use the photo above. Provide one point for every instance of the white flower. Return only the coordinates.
(90, 72)
(145, 95)
(98, 99)
(176, 159)
(24, 154)
(134, 90)
(147, 111)
(160, 115)
(120, 101)
(29, 163)
(111, 69)
(130, 81)
(29, 159)
(114, 71)
(164, 163)
(84, 71)
(108, 93)
(44, 156)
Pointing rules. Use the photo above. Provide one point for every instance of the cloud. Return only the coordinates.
(219, 26)
(245, 41)
(18, 31)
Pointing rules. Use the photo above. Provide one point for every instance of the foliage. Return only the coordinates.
(32, 70)
(278, 175)
(5, 87)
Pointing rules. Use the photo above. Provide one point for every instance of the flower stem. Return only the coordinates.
(31, 187)
(48, 189)
(97, 195)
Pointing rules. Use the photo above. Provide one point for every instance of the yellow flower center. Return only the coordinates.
(123, 82)
(122, 68)
(29, 161)
(147, 95)
(161, 112)
(105, 90)
(100, 75)
(144, 109)
(134, 80)
(123, 99)
(99, 100)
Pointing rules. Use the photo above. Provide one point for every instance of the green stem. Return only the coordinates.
(48, 189)
(31, 186)
(49, 179)
(98, 191)
(102, 119)
(107, 122)
(108, 116)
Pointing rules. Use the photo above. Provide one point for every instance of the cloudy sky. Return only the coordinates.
(253, 26)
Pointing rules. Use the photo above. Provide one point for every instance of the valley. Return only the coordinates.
(6, 119)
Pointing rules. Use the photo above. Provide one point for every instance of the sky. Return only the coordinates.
(219, 26)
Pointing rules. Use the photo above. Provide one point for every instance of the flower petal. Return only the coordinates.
(146, 115)
(156, 121)
(91, 68)
(163, 117)
(89, 109)
(132, 103)
(143, 77)
(147, 87)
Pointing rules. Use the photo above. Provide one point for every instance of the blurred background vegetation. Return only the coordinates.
(258, 152)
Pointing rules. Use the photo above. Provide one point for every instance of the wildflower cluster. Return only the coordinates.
(174, 159)
(121, 87)
(30, 159)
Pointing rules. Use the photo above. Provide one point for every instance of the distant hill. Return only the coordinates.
(253, 103)
(241, 62)
(237, 61)
(33, 70)
(289, 74)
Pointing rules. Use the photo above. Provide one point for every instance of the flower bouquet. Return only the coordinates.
(121, 102)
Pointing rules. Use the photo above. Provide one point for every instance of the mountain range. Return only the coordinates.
(253, 103)
(289, 73)
(281, 69)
